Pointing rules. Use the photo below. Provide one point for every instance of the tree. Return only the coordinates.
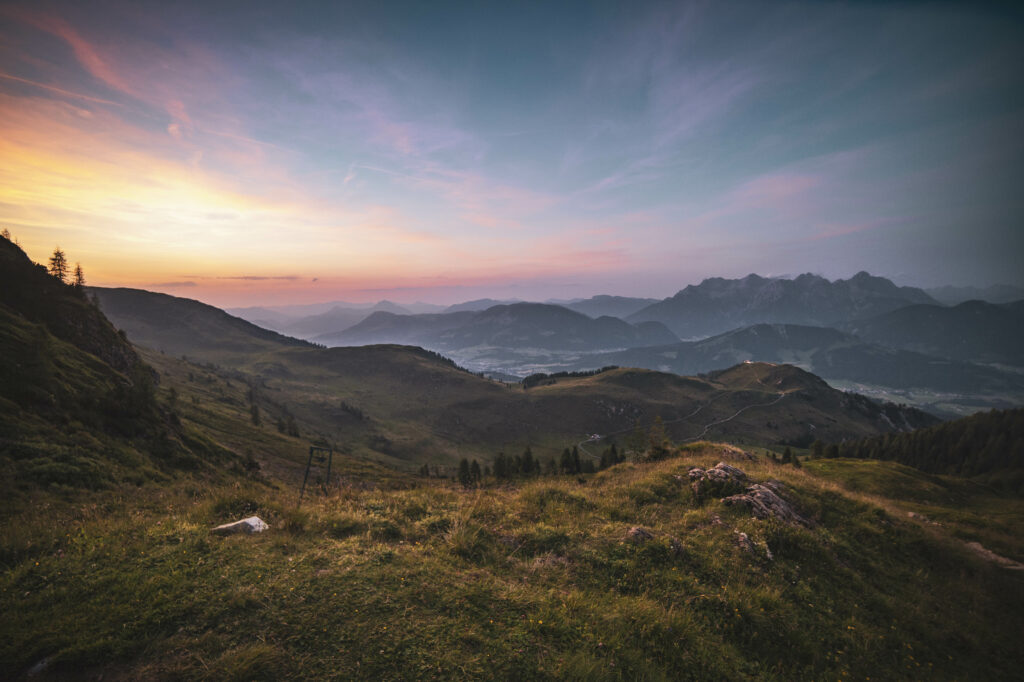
(500, 466)
(575, 460)
(817, 450)
(59, 265)
(565, 464)
(6, 234)
(463, 476)
(79, 280)
(787, 456)
(474, 472)
(528, 464)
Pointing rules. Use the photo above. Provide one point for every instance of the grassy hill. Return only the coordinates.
(987, 446)
(538, 579)
(183, 326)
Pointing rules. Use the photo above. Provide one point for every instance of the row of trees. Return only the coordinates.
(469, 472)
(980, 444)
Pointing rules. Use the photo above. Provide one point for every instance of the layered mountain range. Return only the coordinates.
(865, 331)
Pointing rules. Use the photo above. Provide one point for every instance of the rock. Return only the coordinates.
(637, 535)
(744, 542)
(765, 502)
(720, 479)
(253, 524)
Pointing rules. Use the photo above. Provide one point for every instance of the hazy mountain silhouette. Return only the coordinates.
(612, 306)
(826, 352)
(974, 331)
(519, 325)
(997, 293)
(717, 305)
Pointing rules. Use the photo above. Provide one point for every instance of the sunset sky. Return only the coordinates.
(249, 152)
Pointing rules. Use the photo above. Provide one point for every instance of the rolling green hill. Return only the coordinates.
(629, 575)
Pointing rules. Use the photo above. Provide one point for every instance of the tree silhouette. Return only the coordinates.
(6, 234)
(59, 265)
(79, 277)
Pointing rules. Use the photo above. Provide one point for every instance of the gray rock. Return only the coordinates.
(253, 524)
(637, 534)
(765, 502)
(720, 479)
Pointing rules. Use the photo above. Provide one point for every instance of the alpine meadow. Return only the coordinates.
(511, 341)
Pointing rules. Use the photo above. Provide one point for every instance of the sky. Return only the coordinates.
(246, 153)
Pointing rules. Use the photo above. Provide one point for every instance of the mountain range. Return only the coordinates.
(517, 325)
(827, 352)
(718, 305)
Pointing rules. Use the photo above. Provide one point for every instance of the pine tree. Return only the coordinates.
(6, 234)
(576, 460)
(59, 265)
(817, 450)
(463, 476)
(79, 279)
(474, 472)
(787, 456)
(565, 464)
(528, 464)
(500, 466)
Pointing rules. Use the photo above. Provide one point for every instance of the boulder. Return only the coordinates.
(253, 524)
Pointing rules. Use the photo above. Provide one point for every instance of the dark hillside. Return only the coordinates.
(29, 291)
(989, 445)
(183, 326)
(973, 331)
(77, 406)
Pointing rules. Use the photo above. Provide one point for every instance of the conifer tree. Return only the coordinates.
(528, 464)
(575, 460)
(463, 476)
(565, 464)
(59, 265)
(6, 234)
(474, 472)
(79, 277)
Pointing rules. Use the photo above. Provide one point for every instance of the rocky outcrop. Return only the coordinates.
(721, 479)
(764, 502)
(763, 499)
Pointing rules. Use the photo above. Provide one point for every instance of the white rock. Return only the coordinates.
(253, 524)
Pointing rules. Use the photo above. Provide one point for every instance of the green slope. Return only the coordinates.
(530, 581)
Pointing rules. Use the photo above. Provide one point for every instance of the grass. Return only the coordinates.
(424, 580)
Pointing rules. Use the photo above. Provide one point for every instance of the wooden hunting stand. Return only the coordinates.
(321, 454)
